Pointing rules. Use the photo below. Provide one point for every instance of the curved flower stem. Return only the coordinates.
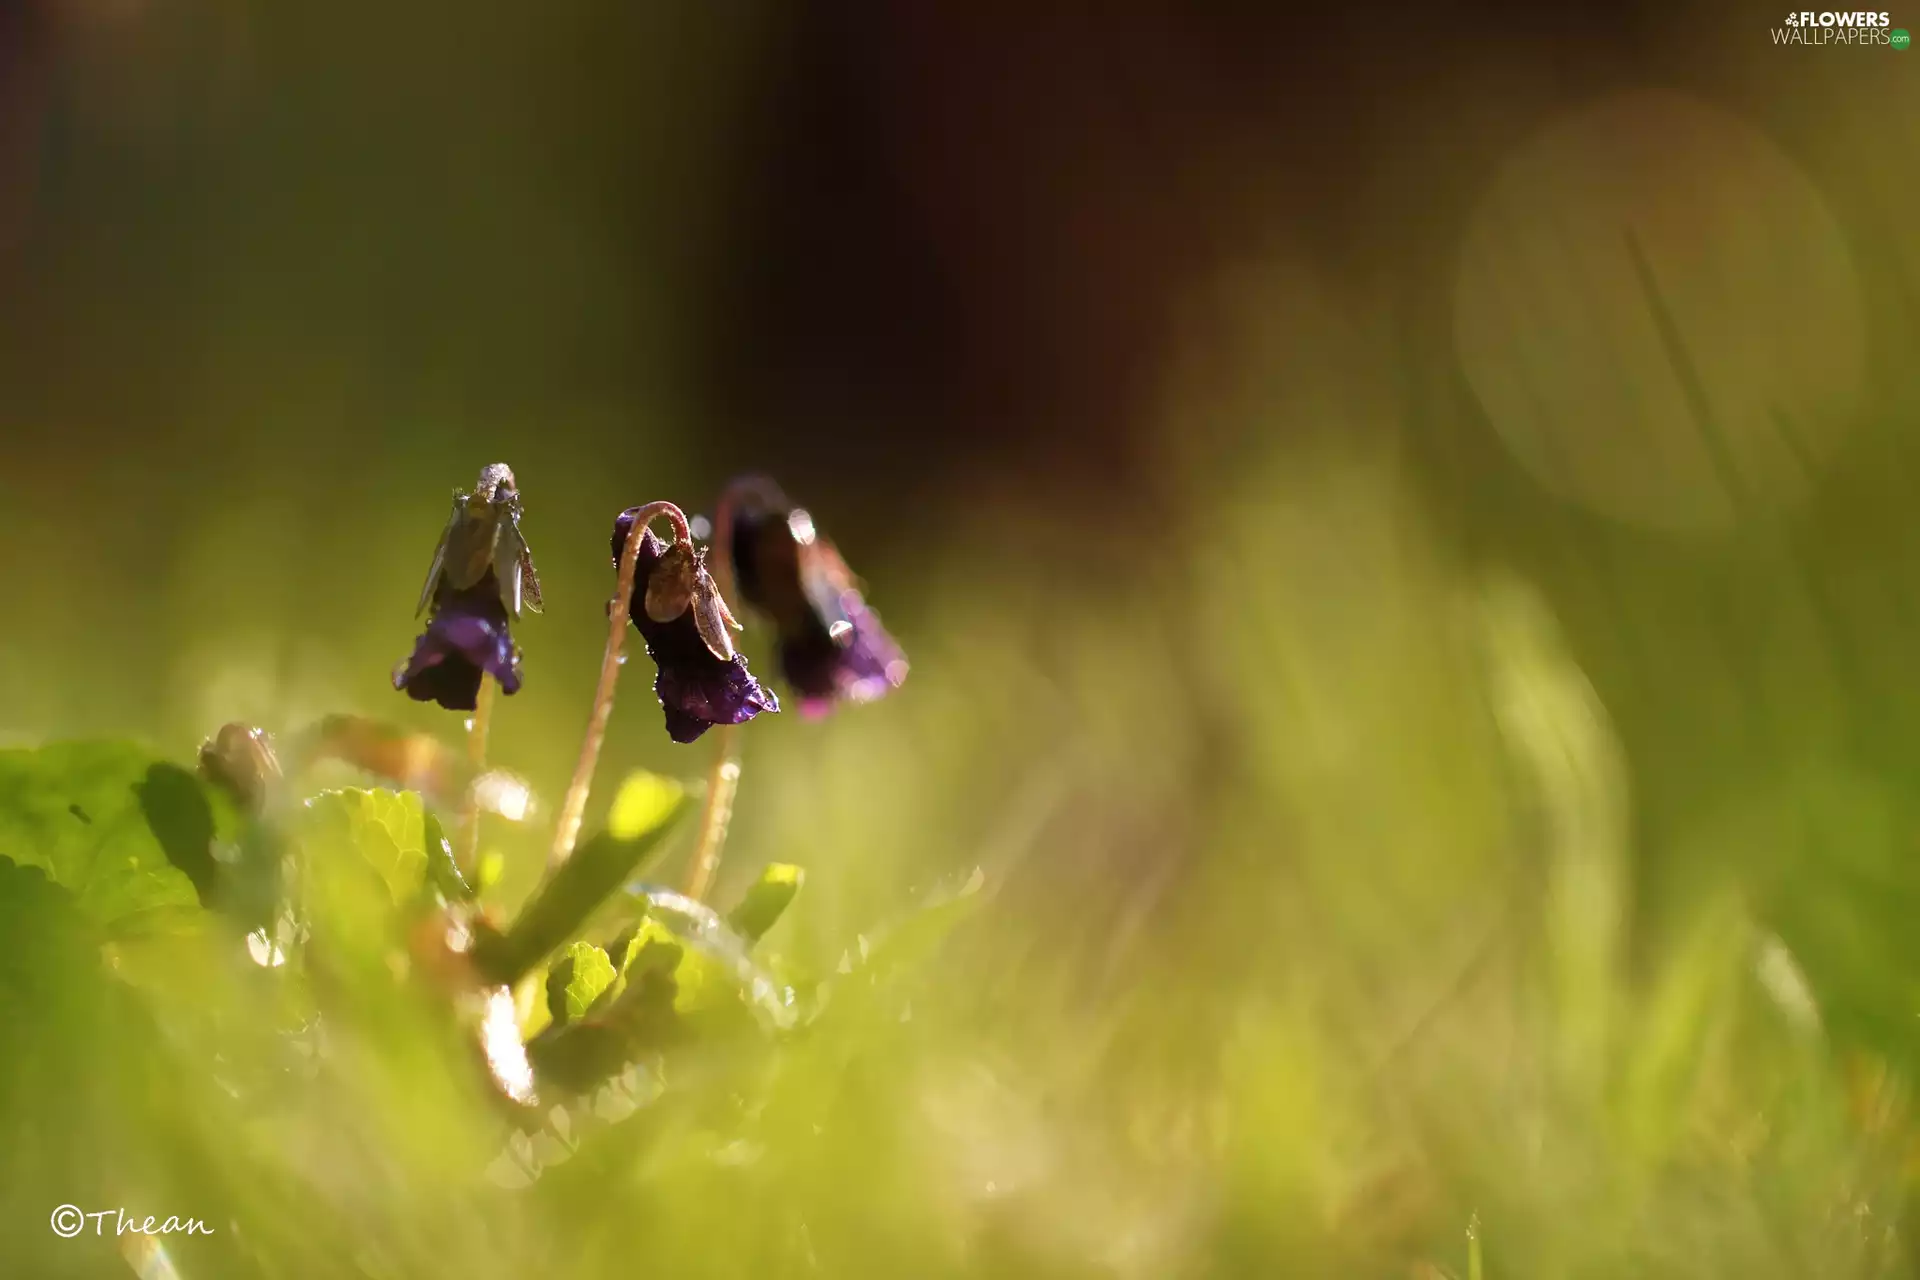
(574, 807)
(468, 856)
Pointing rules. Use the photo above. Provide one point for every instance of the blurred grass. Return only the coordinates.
(1307, 939)
(1309, 936)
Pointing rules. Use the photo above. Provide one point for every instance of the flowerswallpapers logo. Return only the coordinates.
(1854, 30)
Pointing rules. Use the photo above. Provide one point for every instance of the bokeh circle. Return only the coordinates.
(1660, 316)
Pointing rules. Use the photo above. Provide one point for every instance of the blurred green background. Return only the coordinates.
(1401, 522)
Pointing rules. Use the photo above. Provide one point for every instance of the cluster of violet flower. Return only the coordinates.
(830, 646)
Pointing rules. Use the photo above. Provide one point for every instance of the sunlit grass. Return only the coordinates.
(1301, 929)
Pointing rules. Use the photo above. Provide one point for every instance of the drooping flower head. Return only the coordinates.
(681, 615)
(832, 646)
(481, 577)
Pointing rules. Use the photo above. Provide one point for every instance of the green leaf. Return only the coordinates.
(48, 947)
(571, 894)
(637, 1015)
(384, 830)
(442, 869)
(75, 810)
(640, 948)
(360, 854)
(766, 900)
(70, 1047)
(644, 803)
(576, 981)
(719, 975)
(180, 815)
(915, 940)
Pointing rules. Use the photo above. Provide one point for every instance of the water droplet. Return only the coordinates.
(622, 659)
(263, 951)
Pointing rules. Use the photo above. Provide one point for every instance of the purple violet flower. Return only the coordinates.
(832, 646)
(482, 573)
(467, 636)
(697, 688)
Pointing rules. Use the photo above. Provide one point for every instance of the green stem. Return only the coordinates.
(468, 858)
(723, 780)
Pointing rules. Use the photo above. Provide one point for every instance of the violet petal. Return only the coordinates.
(696, 689)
